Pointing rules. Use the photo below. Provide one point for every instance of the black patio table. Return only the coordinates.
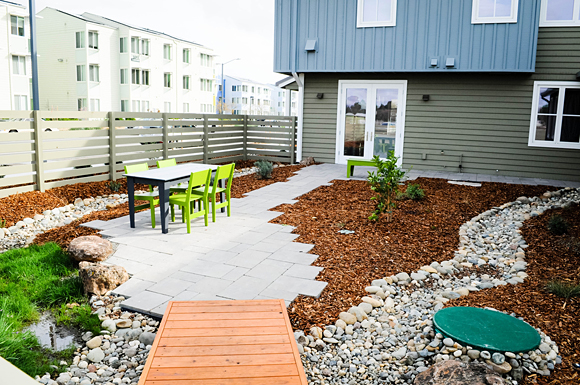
(164, 178)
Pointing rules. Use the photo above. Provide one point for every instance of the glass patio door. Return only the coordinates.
(371, 119)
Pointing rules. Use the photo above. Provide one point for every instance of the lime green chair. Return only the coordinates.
(151, 196)
(178, 188)
(185, 200)
(222, 172)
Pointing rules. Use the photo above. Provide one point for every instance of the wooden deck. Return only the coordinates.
(224, 342)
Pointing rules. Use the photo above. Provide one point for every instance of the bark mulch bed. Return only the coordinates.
(244, 184)
(549, 257)
(421, 232)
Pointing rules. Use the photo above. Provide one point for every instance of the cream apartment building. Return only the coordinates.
(15, 65)
(91, 63)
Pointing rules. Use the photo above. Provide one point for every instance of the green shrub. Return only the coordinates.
(115, 186)
(2, 223)
(384, 182)
(265, 169)
(415, 192)
(563, 289)
(557, 225)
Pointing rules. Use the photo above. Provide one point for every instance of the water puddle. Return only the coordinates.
(52, 336)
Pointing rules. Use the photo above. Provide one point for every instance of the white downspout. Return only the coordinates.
(299, 78)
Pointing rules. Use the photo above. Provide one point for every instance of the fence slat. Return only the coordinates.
(38, 151)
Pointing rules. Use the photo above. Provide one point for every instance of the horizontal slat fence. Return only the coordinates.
(45, 149)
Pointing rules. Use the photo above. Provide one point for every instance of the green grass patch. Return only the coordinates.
(33, 279)
(78, 316)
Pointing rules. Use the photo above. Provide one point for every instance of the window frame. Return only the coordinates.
(187, 55)
(186, 82)
(145, 75)
(124, 105)
(167, 51)
(145, 47)
(123, 45)
(136, 76)
(135, 45)
(167, 80)
(95, 103)
(544, 22)
(532, 142)
(185, 107)
(81, 70)
(360, 23)
(94, 42)
(18, 19)
(82, 104)
(124, 75)
(80, 38)
(18, 65)
(95, 71)
(476, 19)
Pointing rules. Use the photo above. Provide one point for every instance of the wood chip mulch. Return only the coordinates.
(421, 232)
(244, 184)
(549, 257)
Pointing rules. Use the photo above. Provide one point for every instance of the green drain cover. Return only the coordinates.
(486, 329)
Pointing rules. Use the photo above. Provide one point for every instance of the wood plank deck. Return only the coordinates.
(224, 342)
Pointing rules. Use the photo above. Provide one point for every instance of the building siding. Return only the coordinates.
(424, 29)
(484, 117)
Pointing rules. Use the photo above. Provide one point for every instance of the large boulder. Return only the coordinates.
(99, 279)
(90, 248)
(308, 161)
(457, 372)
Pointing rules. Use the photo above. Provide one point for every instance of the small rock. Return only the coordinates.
(96, 355)
(94, 342)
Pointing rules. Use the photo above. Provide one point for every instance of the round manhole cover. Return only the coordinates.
(486, 329)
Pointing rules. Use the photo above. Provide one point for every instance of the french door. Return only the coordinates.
(371, 119)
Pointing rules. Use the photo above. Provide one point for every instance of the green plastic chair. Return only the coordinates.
(151, 197)
(178, 188)
(222, 172)
(200, 178)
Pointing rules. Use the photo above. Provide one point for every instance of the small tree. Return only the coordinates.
(384, 182)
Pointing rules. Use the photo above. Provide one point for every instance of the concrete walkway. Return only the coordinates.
(240, 257)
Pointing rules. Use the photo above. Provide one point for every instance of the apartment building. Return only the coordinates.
(91, 63)
(247, 97)
(15, 65)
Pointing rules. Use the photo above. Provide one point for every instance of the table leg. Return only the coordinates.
(164, 206)
(221, 184)
(131, 193)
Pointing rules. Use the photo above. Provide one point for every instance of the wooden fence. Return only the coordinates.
(41, 149)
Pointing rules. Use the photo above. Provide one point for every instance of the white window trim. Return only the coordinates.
(366, 24)
(475, 19)
(532, 142)
(559, 23)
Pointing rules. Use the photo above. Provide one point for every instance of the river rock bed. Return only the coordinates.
(389, 337)
(117, 355)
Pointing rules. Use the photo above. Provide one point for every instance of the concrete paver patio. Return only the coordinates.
(238, 257)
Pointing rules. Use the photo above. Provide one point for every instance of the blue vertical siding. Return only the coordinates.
(425, 29)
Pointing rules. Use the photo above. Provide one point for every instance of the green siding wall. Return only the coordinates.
(484, 117)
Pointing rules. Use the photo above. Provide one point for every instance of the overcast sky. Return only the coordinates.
(232, 28)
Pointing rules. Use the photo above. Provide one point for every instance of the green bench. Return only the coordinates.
(350, 163)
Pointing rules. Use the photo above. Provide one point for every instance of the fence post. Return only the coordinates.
(165, 136)
(205, 139)
(293, 142)
(38, 151)
(112, 148)
(245, 137)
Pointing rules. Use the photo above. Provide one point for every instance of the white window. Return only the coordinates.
(20, 102)
(560, 13)
(135, 45)
(135, 76)
(186, 82)
(167, 79)
(245, 88)
(185, 107)
(81, 69)
(206, 60)
(145, 105)
(93, 40)
(80, 39)
(145, 77)
(494, 11)
(167, 51)
(376, 13)
(136, 106)
(244, 100)
(122, 45)
(186, 55)
(145, 47)
(95, 104)
(82, 104)
(124, 76)
(167, 106)
(124, 106)
(18, 65)
(94, 73)
(555, 115)
(17, 25)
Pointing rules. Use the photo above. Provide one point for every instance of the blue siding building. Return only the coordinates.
(474, 86)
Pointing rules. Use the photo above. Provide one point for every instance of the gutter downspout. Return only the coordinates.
(300, 112)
